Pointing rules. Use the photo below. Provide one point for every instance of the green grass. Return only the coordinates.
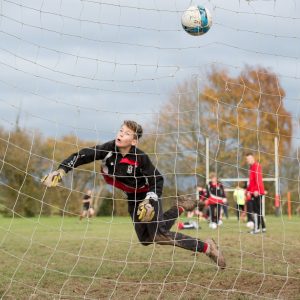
(51, 258)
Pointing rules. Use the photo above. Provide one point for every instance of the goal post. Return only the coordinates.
(274, 179)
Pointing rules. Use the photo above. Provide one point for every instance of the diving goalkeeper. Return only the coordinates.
(128, 168)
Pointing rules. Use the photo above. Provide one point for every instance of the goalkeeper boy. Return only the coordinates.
(128, 168)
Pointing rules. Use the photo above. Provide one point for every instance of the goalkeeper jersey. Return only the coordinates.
(132, 173)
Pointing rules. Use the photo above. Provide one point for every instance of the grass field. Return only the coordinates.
(61, 258)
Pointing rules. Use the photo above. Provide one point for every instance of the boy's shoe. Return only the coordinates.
(214, 253)
(264, 230)
(255, 231)
(220, 223)
(187, 203)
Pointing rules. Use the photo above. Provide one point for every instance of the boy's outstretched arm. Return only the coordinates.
(84, 156)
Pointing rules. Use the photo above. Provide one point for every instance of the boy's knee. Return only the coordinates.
(145, 240)
(163, 239)
(146, 243)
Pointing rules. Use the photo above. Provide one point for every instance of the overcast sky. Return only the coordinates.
(84, 66)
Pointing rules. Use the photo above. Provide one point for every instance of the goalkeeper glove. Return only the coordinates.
(146, 210)
(53, 178)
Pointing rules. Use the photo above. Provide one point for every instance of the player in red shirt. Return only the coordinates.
(257, 190)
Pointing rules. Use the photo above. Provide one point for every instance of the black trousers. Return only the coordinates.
(239, 210)
(250, 211)
(158, 230)
(215, 211)
(258, 217)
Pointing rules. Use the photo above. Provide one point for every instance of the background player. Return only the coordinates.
(256, 190)
(87, 209)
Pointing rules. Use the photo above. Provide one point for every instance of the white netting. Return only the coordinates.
(72, 71)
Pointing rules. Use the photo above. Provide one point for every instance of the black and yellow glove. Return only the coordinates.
(53, 178)
(145, 211)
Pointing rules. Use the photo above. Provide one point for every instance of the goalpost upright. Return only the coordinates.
(274, 179)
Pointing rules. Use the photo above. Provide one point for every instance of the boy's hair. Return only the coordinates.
(249, 154)
(212, 174)
(134, 126)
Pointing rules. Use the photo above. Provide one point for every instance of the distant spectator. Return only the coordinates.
(216, 198)
(87, 209)
(239, 197)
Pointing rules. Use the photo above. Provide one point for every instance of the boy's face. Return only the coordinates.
(214, 179)
(250, 159)
(125, 137)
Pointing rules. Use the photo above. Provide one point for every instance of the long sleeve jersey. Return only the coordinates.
(132, 173)
(215, 193)
(255, 179)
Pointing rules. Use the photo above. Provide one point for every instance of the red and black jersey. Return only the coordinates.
(215, 193)
(256, 183)
(202, 195)
(132, 173)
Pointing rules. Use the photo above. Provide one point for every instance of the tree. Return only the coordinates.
(19, 174)
(25, 157)
(247, 113)
(239, 113)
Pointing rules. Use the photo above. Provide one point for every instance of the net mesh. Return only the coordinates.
(72, 71)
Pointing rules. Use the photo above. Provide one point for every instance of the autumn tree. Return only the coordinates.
(247, 113)
(25, 157)
(19, 176)
(238, 112)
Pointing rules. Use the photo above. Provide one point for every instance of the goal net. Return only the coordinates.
(73, 71)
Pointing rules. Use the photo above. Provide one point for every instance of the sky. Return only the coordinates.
(82, 67)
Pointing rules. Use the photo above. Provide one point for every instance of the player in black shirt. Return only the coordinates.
(128, 168)
(87, 209)
(216, 198)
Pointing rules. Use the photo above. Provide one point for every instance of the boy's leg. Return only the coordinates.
(256, 209)
(163, 236)
(159, 233)
(238, 212)
(83, 214)
(170, 216)
(156, 232)
(242, 212)
(250, 211)
(213, 213)
(158, 229)
(225, 209)
(218, 212)
(182, 204)
(261, 220)
(263, 224)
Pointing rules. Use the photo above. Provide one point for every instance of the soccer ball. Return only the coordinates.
(213, 225)
(196, 20)
(250, 225)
